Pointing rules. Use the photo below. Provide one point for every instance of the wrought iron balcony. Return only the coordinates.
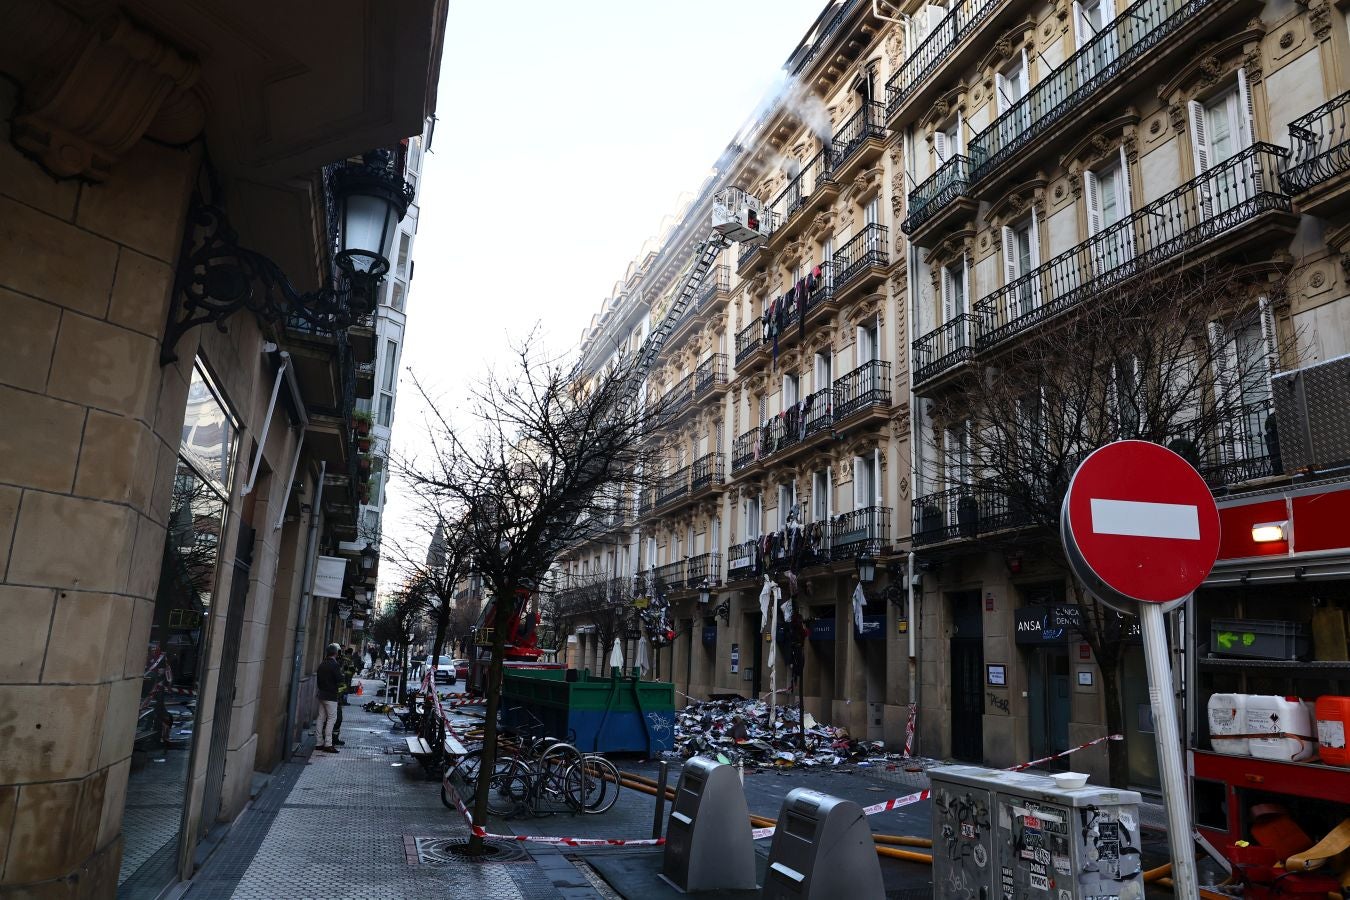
(711, 373)
(818, 411)
(798, 547)
(1322, 146)
(590, 592)
(677, 397)
(965, 16)
(867, 122)
(951, 180)
(705, 566)
(669, 576)
(780, 432)
(707, 470)
(1245, 446)
(745, 449)
(800, 189)
(748, 254)
(672, 487)
(748, 340)
(865, 249)
(963, 512)
(1117, 48)
(948, 345)
(1225, 197)
(863, 530)
(867, 385)
(743, 561)
(824, 290)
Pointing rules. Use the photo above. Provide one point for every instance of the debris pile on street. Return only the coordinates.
(738, 731)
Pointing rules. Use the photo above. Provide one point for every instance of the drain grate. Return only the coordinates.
(429, 851)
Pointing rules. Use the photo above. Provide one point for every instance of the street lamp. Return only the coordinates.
(371, 199)
(368, 556)
(867, 568)
(704, 593)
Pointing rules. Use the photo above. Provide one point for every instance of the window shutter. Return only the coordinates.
(958, 145)
(1200, 154)
(876, 476)
(1004, 94)
(1035, 257)
(948, 296)
(856, 474)
(1092, 195)
(1247, 113)
(964, 299)
(1126, 195)
(1082, 30)
(1024, 76)
(1010, 273)
(940, 147)
(1268, 337)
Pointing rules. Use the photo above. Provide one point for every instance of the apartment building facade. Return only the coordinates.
(948, 181)
(187, 287)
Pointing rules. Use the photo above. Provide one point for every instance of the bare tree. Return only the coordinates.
(437, 568)
(1177, 357)
(547, 447)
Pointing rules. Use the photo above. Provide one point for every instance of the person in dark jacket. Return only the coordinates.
(328, 679)
(347, 662)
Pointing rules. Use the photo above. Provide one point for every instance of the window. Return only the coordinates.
(1021, 255)
(415, 153)
(1125, 396)
(953, 291)
(386, 417)
(956, 449)
(1243, 381)
(947, 141)
(404, 245)
(752, 518)
(1012, 84)
(864, 481)
(867, 342)
(787, 503)
(1221, 128)
(376, 481)
(398, 294)
(820, 496)
(824, 374)
(1107, 194)
(791, 391)
(390, 366)
(1093, 18)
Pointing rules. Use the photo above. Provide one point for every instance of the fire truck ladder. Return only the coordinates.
(704, 257)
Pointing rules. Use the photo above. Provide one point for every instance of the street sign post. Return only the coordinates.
(1141, 530)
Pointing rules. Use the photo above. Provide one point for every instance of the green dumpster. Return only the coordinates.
(614, 714)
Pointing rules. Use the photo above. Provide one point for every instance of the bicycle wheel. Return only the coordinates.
(592, 784)
(508, 792)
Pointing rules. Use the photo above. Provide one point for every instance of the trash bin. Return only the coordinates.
(615, 714)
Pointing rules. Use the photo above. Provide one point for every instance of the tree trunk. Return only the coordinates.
(492, 690)
(442, 625)
(1118, 763)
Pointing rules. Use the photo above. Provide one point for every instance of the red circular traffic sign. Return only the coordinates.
(1139, 524)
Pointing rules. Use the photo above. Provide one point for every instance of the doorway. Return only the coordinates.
(967, 698)
(1048, 702)
(1141, 748)
(874, 662)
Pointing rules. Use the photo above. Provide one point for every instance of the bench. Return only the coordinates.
(454, 747)
(417, 746)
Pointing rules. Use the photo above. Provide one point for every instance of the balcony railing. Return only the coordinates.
(743, 561)
(745, 449)
(711, 373)
(867, 122)
(866, 248)
(818, 411)
(963, 18)
(951, 180)
(672, 487)
(669, 576)
(1322, 151)
(823, 292)
(748, 253)
(863, 530)
(591, 592)
(822, 38)
(748, 340)
(678, 396)
(799, 190)
(1224, 197)
(708, 469)
(866, 385)
(704, 566)
(963, 512)
(1116, 48)
(949, 345)
(1240, 449)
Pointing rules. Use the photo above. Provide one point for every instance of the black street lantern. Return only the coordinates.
(704, 594)
(371, 199)
(368, 557)
(867, 568)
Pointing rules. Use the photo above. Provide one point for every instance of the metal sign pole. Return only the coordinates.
(1153, 622)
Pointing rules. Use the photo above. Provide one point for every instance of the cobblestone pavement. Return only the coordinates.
(365, 824)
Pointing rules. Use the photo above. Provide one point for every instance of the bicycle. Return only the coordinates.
(560, 773)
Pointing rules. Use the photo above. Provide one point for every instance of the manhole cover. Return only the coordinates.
(448, 851)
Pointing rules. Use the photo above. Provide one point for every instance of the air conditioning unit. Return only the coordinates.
(741, 217)
(1312, 417)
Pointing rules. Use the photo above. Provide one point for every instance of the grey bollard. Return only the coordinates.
(822, 849)
(708, 843)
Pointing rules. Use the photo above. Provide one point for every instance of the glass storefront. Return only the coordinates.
(176, 653)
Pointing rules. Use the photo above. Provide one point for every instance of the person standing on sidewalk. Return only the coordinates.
(347, 662)
(328, 680)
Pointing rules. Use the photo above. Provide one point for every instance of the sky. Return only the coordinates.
(565, 133)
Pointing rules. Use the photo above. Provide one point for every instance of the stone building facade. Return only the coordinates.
(168, 485)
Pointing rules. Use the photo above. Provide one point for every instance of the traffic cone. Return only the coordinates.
(360, 689)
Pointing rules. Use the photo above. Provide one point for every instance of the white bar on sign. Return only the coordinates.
(1133, 518)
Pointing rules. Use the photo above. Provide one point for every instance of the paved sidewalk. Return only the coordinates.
(364, 823)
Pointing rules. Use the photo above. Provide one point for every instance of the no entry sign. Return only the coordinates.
(1139, 525)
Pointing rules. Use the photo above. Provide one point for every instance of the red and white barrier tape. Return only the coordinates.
(919, 796)
(909, 729)
(479, 831)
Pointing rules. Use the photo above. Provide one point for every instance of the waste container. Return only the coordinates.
(614, 714)
(1001, 834)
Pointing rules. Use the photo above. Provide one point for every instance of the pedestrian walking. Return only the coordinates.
(328, 679)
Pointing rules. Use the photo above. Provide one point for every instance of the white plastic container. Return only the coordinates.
(1290, 724)
(1228, 716)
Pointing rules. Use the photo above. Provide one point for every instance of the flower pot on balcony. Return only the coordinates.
(363, 463)
(967, 516)
(363, 494)
(361, 422)
(363, 443)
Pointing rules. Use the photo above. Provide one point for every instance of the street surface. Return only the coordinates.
(365, 823)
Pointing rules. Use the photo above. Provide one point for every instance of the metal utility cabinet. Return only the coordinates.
(1017, 836)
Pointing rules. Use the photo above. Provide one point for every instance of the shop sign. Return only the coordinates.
(1047, 624)
(344, 611)
(329, 575)
(586, 629)
(709, 635)
(358, 624)
(735, 658)
(822, 629)
(873, 629)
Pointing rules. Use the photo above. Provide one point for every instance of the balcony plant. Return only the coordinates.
(361, 422)
(363, 442)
